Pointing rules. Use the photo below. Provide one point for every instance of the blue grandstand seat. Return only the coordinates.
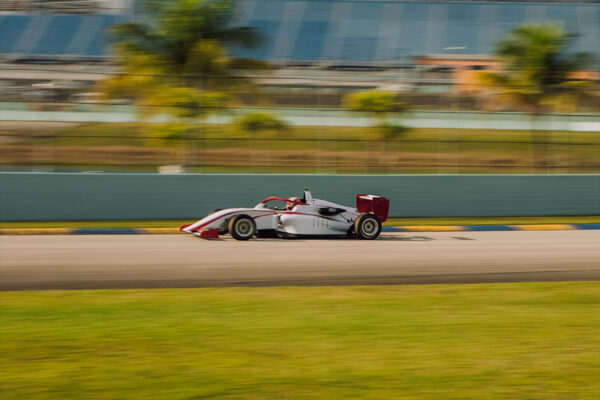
(89, 29)
(511, 15)
(266, 18)
(269, 30)
(359, 49)
(564, 14)
(11, 29)
(462, 29)
(366, 11)
(270, 10)
(588, 28)
(413, 29)
(58, 35)
(335, 30)
(309, 43)
(99, 45)
(317, 11)
(362, 32)
(415, 12)
(314, 25)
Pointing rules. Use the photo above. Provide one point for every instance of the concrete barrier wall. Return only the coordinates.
(65, 196)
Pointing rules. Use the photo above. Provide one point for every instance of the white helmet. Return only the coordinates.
(292, 201)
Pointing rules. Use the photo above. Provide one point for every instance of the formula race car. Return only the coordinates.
(305, 217)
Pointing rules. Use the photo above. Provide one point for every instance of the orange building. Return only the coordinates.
(463, 69)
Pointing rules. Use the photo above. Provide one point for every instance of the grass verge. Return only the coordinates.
(322, 149)
(586, 219)
(492, 341)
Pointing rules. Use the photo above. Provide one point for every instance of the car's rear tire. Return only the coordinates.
(242, 227)
(367, 226)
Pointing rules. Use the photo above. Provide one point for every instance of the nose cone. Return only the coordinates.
(182, 228)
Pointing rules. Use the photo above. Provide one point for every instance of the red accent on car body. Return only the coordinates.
(297, 201)
(210, 234)
(214, 219)
(380, 206)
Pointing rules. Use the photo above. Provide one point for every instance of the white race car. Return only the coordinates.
(305, 217)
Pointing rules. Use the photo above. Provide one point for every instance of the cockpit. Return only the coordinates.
(281, 203)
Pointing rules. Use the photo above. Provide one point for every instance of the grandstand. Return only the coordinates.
(64, 6)
(391, 33)
(319, 33)
(56, 37)
(59, 30)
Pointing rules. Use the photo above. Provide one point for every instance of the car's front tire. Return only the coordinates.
(242, 227)
(367, 226)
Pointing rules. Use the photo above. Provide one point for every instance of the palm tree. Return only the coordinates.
(253, 123)
(380, 105)
(537, 65)
(187, 107)
(183, 44)
(537, 68)
(187, 38)
(177, 62)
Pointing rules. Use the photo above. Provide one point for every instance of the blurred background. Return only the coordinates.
(303, 86)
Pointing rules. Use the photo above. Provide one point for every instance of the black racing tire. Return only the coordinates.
(221, 231)
(242, 227)
(367, 226)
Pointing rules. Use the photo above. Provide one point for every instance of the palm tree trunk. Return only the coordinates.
(536, 140)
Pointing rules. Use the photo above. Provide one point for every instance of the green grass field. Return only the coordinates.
(302, 137)
(117, 133)
(586, 219)
(360, 150)
(489, 341)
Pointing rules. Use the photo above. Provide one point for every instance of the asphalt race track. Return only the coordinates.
(151, 261)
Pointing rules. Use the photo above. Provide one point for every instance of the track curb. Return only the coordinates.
(403, 228)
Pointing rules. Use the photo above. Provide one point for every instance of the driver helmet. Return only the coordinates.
(291, 203)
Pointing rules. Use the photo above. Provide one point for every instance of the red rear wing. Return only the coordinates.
(380, 206)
